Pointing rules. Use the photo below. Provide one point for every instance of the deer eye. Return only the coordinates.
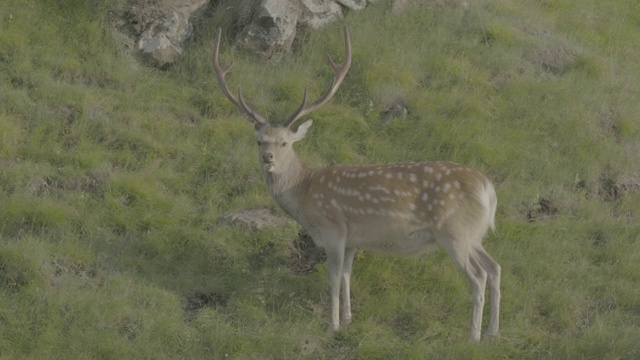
(259, 143)
(284, 143)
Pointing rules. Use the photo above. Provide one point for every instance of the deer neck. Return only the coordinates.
(285, 185)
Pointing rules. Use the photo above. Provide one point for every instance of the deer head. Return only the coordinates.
(276, 153)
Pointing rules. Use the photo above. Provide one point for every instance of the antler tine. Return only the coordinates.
(254, 114)
(220, 74)
(340, 73)
(299, 110)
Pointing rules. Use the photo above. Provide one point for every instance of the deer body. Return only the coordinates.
(363, 199)
(403, 209)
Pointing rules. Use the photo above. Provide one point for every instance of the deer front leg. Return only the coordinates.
(349, 254)
(335, 262)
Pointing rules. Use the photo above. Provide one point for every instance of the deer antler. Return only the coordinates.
(340, 72)
(239, 101)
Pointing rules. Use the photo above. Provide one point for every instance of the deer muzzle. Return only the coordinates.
(268, 161)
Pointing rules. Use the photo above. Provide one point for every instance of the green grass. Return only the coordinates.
(113, 176)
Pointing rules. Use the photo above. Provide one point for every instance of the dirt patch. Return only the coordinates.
(129, 328)
(63, 267)
(40, 186)
(608, 119)
(608, 188)
(554, 59)
(201, 299)
(540, 209)
(612, 186)
(93, 182)
(15, 272)
(405, 326)
(304, 254)
(599, 239)
(552, 54)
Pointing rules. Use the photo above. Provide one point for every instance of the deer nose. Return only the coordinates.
(267, 157)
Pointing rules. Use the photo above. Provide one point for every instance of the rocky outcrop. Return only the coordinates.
(159, 29)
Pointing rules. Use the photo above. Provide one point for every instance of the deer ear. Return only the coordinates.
(301, 132)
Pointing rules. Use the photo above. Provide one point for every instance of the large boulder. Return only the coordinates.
(162, 42)
(272, 28)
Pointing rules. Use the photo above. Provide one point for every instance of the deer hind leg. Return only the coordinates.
(493, 270)
(349, 254)
(478, 279)
(465, 258)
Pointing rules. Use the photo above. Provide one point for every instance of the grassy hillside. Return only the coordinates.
(113, 176)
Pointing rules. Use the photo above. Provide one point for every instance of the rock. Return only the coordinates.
(272, 29)
(353, 4)
(162, 42)
(244, 11)
(319, 13)
(255, 219)
(138, 15)
(398, 110)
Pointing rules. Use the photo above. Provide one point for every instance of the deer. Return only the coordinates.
(403, 209)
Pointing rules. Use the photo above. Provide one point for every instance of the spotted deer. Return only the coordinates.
(404, 209)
